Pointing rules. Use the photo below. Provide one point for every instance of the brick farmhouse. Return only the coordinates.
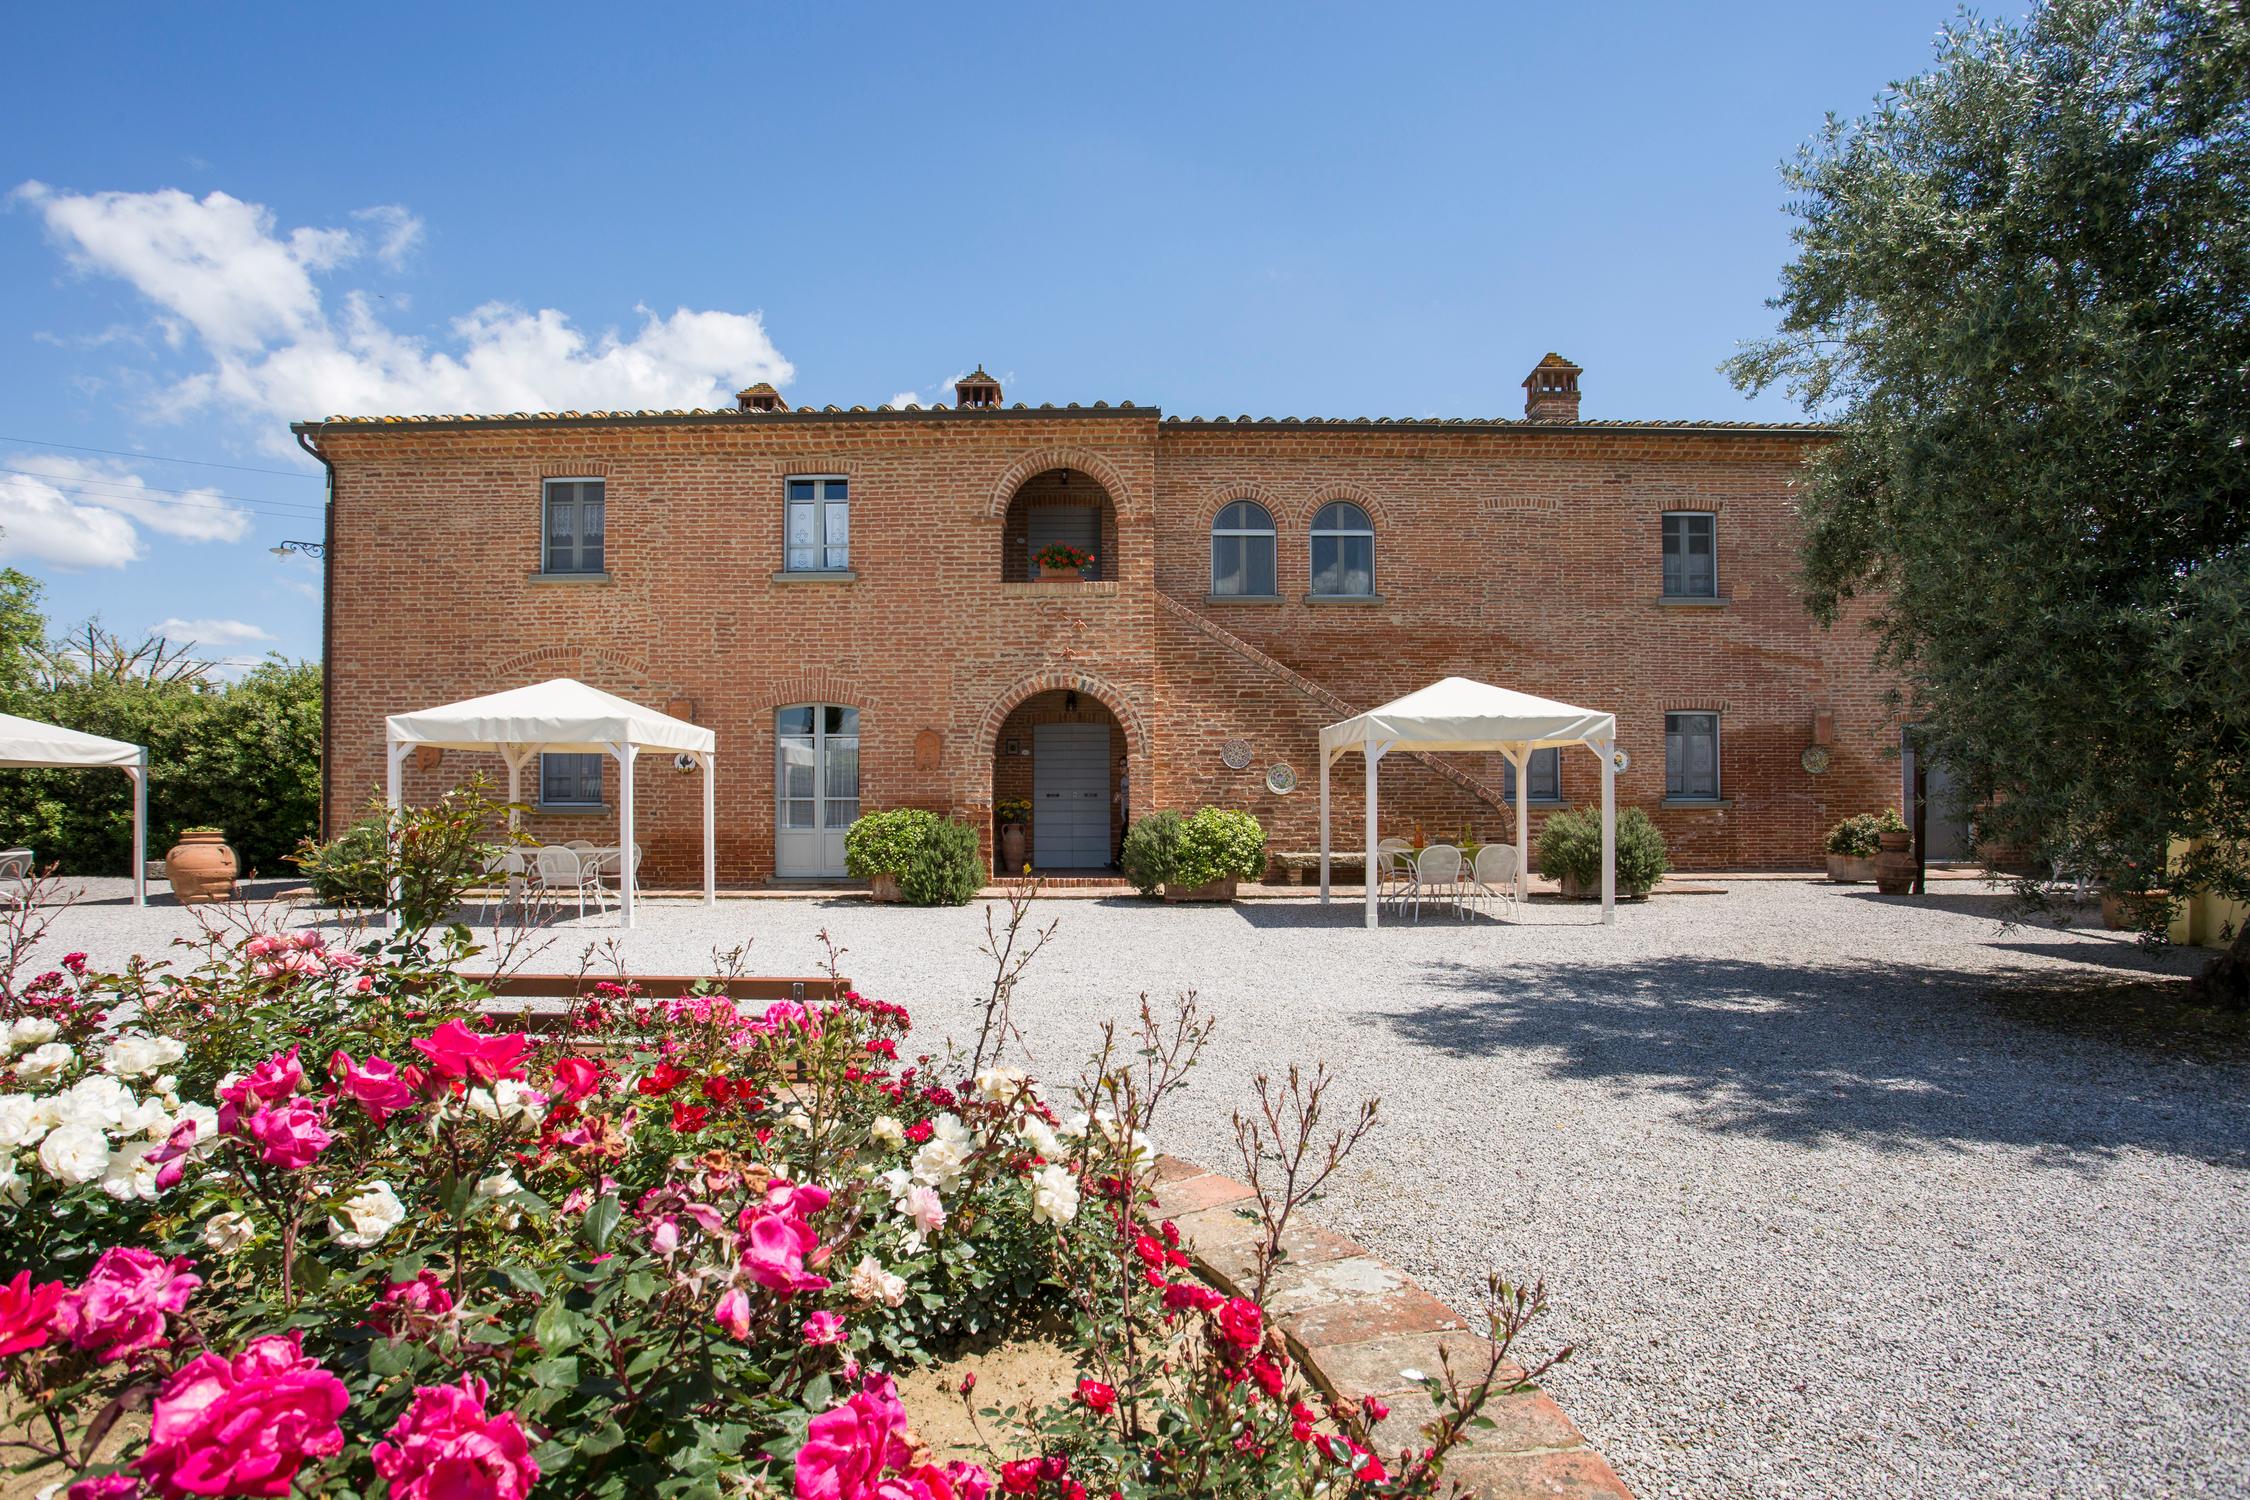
(849, 599)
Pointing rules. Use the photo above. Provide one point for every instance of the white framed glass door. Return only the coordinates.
(816, 787)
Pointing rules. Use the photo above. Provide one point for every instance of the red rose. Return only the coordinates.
(688, 1118)
(1097, 1396)
(1241, 1324)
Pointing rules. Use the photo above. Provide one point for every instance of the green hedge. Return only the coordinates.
(1167, 849)
(934, 858)
(1860, 836)
(1570, 845)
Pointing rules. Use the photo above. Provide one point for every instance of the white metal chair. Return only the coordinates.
(1437, 874)
(507, 881)
(1394, 872)
(561, 869)
(15, 875)
(1493, 876)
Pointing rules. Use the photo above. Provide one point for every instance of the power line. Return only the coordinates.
(158, 458)
(202, 499)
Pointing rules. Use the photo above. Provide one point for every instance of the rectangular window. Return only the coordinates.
(570, 780)
(574, 529)
(1691, 757)
(1546, 776)
(819, 526)
(1691, 555)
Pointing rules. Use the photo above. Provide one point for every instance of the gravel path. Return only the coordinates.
(1821, 1221)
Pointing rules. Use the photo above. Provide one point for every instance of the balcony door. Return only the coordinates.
(816, 785)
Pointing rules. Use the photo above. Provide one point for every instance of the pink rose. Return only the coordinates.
(264, 944)
(375, 1085)
(104, 1487)
(455, 1051)
(773, 1254)
(577, 1077)
(447, 1448)
(269, 1082)
(733, 1313)
(119, 1309)
(291, 1135)
(848, 1447)
(824, 1328)
(170, 1158)
(412, 1307)
(243, 1426)
(25, 1311)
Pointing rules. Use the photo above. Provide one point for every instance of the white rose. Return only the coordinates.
(45, 1063)
(30, 1031)
(74, 1153)
(1054, 1195)
(132, 1054)
(1041, 1138)
(229, 1232)
(509, 1099)
(888, 1130)
(20, 1123)
(368, 1215)
(96, 1099)
(871, 1283)
(798, 1121)
(130, 1174)
(1000, 1084)
(948, 1128)
(939, 1163)
(14, 1191)
(149, 1118)
(499, 1185)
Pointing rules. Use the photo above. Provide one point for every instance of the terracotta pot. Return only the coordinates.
(1894, 866)
(1851, 869)
(2121, 912)
(886, 888)
(1012, 848)
(1217, 890)
(201, 867)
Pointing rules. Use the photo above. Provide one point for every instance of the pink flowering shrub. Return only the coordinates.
(675, 1244)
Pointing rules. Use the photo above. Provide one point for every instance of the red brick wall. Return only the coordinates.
(1525, 557)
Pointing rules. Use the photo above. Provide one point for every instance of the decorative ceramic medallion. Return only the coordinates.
(1235, 754)
(1280, 780)
(1814, 758)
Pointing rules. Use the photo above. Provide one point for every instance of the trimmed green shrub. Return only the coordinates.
(1152, 850)
(435, 851)
(1570, 847)
(1859, 836)
(1216, 844)
(943, 870)
(934, 858)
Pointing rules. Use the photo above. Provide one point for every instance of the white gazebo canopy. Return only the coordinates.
(566, 717)
(1458, 714)
(27, 742)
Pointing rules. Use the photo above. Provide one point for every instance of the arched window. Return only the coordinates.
(1242, 551)
(1343, 551)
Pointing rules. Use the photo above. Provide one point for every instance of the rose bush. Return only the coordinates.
(342, 1233)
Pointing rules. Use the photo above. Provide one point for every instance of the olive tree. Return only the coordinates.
(2021, 291)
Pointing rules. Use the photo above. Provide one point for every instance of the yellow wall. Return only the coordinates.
(2205, 918)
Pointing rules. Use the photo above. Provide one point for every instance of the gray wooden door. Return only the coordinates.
(1070, 796)
(1072, 525)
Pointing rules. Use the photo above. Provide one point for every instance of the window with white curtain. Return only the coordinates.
(1343, 551)
(819, 524)
(1242, 542)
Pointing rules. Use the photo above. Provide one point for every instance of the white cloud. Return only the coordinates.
(211, 632)
(88, 513)
(401, 231)
(906, 398)
(222, 271)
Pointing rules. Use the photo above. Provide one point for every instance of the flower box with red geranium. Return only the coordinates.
(1059, 562)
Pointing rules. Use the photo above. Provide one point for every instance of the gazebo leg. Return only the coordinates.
(1374, 873)
(626, 754)
(1609, 831)
(1324, 827)
(710, 823)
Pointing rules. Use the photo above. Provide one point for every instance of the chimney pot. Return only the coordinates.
(1550, 391)
(760, 397)
(976, 390)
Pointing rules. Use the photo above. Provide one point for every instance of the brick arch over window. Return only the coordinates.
(1084, 460)
(1067, 679)
(1365, 499)
(1219, 499)
(808, 685)
(581, 662)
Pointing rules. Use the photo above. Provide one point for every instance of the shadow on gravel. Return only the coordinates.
(1905, 1056)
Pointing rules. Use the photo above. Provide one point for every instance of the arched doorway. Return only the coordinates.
(1061, 755)
(1062, 506)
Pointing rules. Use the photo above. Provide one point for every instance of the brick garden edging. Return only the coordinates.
(1354, 1323)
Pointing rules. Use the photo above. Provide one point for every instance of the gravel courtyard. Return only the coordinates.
(1821, 1219)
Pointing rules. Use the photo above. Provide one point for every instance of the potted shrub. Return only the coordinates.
(912, 855)
(1152, 850)
(1014, 814)
(1216, 849)
(201, 866)
(1059, 562)
(1854, 842)
(1570, 852)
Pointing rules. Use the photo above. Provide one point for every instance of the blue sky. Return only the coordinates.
(220, 219)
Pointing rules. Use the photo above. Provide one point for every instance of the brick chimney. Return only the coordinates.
(976, 390)
(1550, 391)
(760, 397)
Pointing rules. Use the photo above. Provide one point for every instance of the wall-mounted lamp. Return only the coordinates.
(310, 549)
(1070, 701)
